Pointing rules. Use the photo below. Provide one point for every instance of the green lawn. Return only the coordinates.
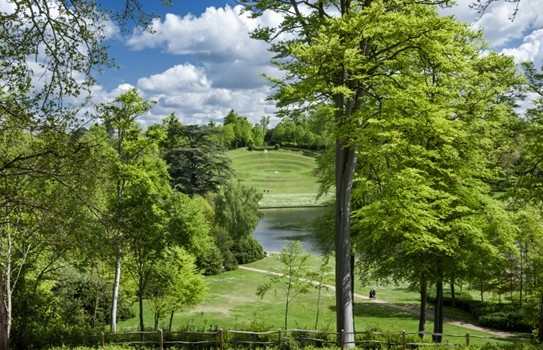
(232, 303)
(286, 178)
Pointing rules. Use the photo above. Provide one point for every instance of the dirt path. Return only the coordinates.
(412, 310)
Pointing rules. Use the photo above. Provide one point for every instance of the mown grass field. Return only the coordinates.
(286, 178)
(232, 303)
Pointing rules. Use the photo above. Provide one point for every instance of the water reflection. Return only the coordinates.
(281, 225)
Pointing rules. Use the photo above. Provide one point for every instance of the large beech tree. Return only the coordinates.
(527, 188)
(348, 54)
(428, 159)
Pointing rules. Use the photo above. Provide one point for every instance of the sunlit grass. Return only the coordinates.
(286, 178)
(232, 304)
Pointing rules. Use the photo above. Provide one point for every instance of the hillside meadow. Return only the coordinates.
(285, 177)
(232, 304)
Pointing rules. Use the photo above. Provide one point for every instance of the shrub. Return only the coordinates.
(210, 261)
(506, 317)
(508, 321)
(247, 250)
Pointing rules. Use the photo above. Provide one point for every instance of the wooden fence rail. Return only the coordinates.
(221, 339)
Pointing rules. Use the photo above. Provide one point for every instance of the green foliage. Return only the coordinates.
(500, 316)
(247, 249)
(292, 278)
(137, 215)
(525, 194)
(239, 131)
(189, 228)
(226, 244)
(237, 210)
(76, 306)
(197, 163)
(406, 104)
(174, 283)
(507, 321)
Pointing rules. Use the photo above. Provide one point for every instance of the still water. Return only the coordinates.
(282, 225)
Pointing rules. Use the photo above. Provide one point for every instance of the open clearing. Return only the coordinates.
(286, 178)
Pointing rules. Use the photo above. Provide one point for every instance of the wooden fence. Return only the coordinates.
(221, 339)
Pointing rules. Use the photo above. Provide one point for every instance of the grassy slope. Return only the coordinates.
(286, 178)
(232, 303)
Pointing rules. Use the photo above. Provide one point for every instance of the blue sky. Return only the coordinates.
(200, 63)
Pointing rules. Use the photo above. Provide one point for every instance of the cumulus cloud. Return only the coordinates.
(184, 77)
(218, 35)
(202, 106)
(229, 71)
(227, 74)
(531, 49)
(500, 24)
(501, 29)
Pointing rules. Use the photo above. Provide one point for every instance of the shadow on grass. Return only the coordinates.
(370, 309)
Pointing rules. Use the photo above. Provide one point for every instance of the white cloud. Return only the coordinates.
(497, 22)
(230, 62)
(228, 75)
(218, 35)
(531, 49)
(110, 29)
(7, 7)
(501, 29)
(185, 77)
(202, 106)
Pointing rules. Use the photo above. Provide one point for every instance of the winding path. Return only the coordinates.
(498, 334)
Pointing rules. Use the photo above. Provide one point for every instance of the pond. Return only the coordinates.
(289, 224)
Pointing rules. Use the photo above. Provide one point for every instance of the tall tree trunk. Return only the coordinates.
(540, 333)
(116, 286)
(4, 334)
(171, 321)
(453, 296)
(286, 314)
(522, 255)
(423, 305)
(140, 302)
(482, 290)
(438, 309)
(345, 165)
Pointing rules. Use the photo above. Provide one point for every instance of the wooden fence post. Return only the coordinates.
(279, 338)
(467, 340)
(102, 339)
(160, 339)
(221, 339)
(404, 341)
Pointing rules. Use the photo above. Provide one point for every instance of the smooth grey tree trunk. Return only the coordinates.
(453, 294)
(4, 335)
(423, 306)
(345, 165)
(438, 310)
(540, 333)
(116, 285)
